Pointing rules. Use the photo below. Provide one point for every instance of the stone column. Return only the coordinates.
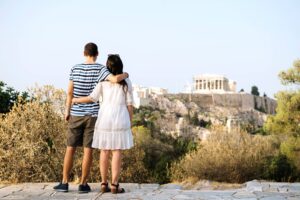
(222, 85)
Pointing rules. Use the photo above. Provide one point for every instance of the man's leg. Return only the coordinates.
(86, 164)
(88, 132)
(68, 163)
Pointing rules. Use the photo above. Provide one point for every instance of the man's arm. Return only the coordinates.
(130, 110)
(69, 100)
(117, 78)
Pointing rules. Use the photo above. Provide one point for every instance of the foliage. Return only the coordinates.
(287, 118)
(9, 96)
(32, 143)
(160, 151)
(33, 138)
(285, 124)
(254, 90)
(280, 169)
(194, 120)
(230, 157)
(292, 75)
(291, 149)
(145, 116)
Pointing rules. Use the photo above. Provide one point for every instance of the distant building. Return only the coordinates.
(141, 95)
(208, 83)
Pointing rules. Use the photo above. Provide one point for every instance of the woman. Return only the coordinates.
(113, 126)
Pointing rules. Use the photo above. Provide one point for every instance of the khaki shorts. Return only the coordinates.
(81, 131)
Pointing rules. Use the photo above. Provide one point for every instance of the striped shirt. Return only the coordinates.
(85, 77)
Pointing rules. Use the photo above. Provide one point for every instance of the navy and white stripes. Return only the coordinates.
(85, 77)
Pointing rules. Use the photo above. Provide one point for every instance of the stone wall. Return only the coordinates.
(241, 101)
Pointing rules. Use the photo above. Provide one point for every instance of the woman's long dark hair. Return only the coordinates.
(115, 66)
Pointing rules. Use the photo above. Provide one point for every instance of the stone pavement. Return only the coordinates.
(252, 190)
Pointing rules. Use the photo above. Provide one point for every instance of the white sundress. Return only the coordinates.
(112, 128)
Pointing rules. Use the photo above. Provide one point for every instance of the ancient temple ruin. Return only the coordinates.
(208, 83)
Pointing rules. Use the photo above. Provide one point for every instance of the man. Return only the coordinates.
(82, 117)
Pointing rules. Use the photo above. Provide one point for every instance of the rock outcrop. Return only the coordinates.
(229, 110)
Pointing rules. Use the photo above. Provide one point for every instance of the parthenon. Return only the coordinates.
(207, 83)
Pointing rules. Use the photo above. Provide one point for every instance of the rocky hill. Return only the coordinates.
(192, 114)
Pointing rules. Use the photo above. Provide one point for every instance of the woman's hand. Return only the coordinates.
(74, 101)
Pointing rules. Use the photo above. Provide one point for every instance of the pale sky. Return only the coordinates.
(162, 42)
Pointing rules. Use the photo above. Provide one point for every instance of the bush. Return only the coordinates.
(226, 157)
(280, 169)
(32, 143)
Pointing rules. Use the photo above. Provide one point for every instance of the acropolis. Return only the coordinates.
(208, 83)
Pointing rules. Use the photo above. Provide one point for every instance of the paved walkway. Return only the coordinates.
(252, 190)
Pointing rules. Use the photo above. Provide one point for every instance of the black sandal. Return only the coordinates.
(116, 189)
(105, 188)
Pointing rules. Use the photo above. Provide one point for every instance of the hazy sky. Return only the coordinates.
(162, 42)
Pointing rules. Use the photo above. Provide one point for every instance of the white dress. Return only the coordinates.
(112, 129)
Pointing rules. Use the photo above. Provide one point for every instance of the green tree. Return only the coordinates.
(254, 90)
(292, 75)
(8, 97)
(287, 118)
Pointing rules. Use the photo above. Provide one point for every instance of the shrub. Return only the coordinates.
(229, 157)
(280, 169)
(32, 143)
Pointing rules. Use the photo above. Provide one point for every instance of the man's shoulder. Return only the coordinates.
(88, 66)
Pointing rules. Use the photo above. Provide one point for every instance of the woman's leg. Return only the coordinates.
(103, 164)
(116, 165)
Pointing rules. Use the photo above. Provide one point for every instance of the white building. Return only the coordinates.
(141, 95)
(208, 83)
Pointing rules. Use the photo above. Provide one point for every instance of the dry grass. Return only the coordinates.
(226, 157)
(33, 143)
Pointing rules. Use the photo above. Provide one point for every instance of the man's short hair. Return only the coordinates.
(91, 49)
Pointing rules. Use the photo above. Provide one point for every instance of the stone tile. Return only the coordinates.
(244, 194)
(254, 185)
(130, 187)
(293, 198)
(42, 191)
(149, 186)
(273, 198)
(294, 188)
(171, 186)
(10, 190)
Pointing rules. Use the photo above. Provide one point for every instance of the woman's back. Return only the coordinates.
(113, 128)
(113, 94)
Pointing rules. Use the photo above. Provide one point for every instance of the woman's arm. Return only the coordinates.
(86, 99)
(130, 110)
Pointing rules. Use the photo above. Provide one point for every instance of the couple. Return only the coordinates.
(111, 131)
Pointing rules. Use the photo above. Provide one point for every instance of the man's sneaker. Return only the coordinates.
(62, 187)
(84, 188)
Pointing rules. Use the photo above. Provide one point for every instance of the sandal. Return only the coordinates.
(105, 188)
(116, 189)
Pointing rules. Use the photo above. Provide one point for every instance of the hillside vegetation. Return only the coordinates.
(33, 134)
